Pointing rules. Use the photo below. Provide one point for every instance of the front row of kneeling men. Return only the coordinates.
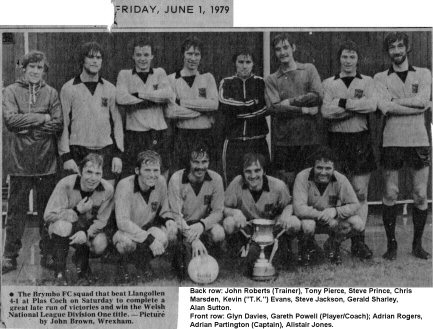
(193, 214)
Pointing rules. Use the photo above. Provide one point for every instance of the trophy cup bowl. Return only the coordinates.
(263, 235)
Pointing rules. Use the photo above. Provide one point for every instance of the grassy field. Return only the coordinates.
(405, 271)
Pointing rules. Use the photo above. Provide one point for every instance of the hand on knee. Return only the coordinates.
(99, 244)
(308, 227)
(171, 230)
(124, 247)
(290, 223)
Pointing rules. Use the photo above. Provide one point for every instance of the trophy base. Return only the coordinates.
(264, 272)
(264, 278)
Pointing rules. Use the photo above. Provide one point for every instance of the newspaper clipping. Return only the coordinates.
(175, 171)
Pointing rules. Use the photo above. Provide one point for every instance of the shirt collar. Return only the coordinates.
(134, 71)
(357, 75)
(265, 186)
(77, 185)
(391, 69)
(299, 66)
(311, 176)
(178, 75)
(185, 178)
(251, 76)
(77, 80)
(137, 185)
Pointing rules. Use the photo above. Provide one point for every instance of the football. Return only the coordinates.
(203, 269)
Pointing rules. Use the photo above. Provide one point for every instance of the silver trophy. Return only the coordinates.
(263, 235)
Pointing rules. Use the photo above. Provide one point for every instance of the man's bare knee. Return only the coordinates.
(61, 228)
(99, 244)
(229, 225)
(391, 194)
(217, 233)
(419, 195)
(356, 223)
(308, 226)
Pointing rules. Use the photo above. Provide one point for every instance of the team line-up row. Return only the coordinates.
(86, 129)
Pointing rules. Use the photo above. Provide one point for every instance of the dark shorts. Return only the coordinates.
(354, 152)
(417, 158)
(234, 151)
(80, 152)
(80, 225)
(188, 139)
(138, 141)
(294, 158)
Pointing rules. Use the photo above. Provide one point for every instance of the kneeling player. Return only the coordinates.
(139, 200)
(256, 195)
(324, 199)
(196, 197)
(77, 212)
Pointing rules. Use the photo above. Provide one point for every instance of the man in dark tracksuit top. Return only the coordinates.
(32, 112)
(242, 100)
(404, 95)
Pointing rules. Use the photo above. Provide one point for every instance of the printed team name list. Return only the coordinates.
(298, 307)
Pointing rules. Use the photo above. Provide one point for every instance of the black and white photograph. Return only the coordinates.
(228, 157)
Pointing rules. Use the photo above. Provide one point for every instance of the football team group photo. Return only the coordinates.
(246, 155)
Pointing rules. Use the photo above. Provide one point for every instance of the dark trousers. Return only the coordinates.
(18, 201)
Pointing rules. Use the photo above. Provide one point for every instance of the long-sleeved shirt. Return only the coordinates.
(346, 107)
(67, 194)
(308, 203)
(202, 96)
(404, 130)
(302, 86)
(243, 104)
(148, 113)
(186, 206)
(92, 121)
(274, 199)
(133, 211)
(33, 149)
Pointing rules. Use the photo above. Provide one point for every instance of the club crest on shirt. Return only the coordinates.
(272, 210)
(359, 93)
(95, 210)
(104, 101)
(202, 92)
(332, 200)
(414, 88)
(207, 199)
(269, 208)
(154, 206)
(155, 87)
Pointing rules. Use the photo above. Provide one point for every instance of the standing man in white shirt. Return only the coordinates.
(349, 98)
(195, 91)
(144, 91)
(404, 96)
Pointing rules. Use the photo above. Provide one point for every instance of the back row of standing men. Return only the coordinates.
(294, 96)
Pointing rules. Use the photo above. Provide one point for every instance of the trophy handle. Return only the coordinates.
(275, 247)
